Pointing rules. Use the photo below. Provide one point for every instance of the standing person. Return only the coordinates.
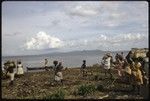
(83, 66)
(55, 64)
(58, 73)
(122, 55)
(145, 88)
(119, 66)
(127, 73)
(106, 64)
(20, 70)
(119, 56)
(116, 56)
(11, 71)
(3, 70)
(146, 64)
(46, 64)
(137, 79)
(6, 65)
(129, 57)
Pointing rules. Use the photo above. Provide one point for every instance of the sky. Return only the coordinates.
(38, 27)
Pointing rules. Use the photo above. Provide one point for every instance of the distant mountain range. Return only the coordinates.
(83, 52)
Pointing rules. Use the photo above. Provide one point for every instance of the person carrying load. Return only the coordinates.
(106, 62)
(58, 73)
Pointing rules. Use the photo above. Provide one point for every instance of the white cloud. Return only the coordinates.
(121, 38)
(43, 41)
(85, 10)
(106, 41)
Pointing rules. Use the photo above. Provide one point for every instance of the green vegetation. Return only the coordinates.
(86, 89)
(100, 87)
(60, 94)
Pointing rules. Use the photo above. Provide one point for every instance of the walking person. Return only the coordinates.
(106, 63)
(83, 67)
(11, 72)
(55, 64)
(6, 65)
(58, 73)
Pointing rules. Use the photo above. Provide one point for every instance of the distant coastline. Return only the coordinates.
(77, 52)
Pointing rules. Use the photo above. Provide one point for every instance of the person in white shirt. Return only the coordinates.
(58, 73)
(46, 64)
(106, 64)
(20, 70)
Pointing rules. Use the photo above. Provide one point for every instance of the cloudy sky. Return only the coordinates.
(60, 26)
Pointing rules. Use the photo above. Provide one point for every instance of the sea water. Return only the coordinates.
(69, 61)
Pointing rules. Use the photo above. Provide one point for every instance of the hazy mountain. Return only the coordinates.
(83, 52)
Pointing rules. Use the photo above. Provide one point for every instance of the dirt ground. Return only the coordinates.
(37, 85)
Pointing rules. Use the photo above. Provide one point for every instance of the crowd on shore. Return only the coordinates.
(132, 70)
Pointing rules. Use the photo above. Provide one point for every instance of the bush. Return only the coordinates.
(58, 95)
(96, 65)
(86, 89)
(96, 77)
(100, 87)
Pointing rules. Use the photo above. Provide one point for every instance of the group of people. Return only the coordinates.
(8, 70)
(130, 69)
(57, 70)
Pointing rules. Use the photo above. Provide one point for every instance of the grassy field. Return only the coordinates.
(37, 85)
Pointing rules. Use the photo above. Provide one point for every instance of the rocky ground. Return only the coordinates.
(37, 85)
